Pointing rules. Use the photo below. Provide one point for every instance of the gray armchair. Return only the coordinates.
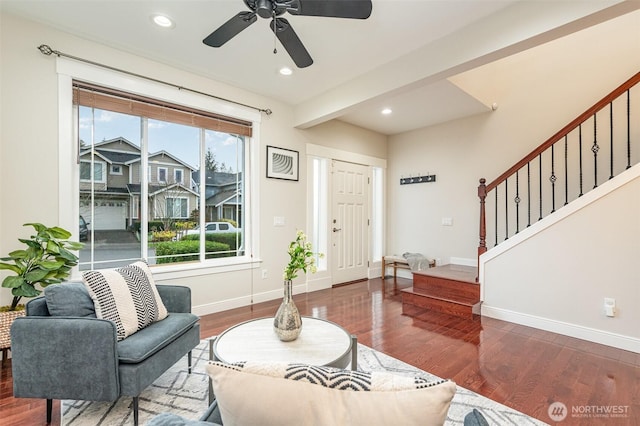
(78, 357)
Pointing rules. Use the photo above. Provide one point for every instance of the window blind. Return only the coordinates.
(95, 96)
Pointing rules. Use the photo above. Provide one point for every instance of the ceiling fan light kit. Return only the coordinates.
(352, 9)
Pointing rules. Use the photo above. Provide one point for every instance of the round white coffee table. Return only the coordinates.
(320, 342)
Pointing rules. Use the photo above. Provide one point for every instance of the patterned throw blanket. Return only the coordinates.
(417, 261)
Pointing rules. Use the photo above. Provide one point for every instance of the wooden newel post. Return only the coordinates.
(482, 194)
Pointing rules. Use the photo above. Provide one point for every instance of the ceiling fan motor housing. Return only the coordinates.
(268, 8)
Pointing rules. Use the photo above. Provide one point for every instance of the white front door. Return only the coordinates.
(349, 222)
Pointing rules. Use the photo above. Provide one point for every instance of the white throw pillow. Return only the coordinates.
(127, 296)
(253, 393)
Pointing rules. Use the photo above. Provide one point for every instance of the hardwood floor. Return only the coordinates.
(521, 367)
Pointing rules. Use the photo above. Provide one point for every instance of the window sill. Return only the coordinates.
(194, 269)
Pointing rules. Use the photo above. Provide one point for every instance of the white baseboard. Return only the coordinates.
(404, 273)
(375, 272)
(212, 308)
(223, 305)
(585, 333)
(463, 261)
(317, 284)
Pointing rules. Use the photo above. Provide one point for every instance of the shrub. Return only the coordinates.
(157, 236)
(182, 225)
(228, 238)
(189, 248)
(155, 225)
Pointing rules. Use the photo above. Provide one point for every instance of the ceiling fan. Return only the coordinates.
(354, 9)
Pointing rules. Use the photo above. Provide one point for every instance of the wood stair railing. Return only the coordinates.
(508, 188)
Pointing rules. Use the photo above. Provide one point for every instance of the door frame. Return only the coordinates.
(322, 279)
(360, 221)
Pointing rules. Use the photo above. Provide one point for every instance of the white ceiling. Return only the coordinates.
(398, 58)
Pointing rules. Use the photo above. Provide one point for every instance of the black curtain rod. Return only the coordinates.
(46, 50)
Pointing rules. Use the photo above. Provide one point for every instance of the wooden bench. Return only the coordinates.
(397, 262)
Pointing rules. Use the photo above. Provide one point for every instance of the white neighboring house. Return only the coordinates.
(115, 188)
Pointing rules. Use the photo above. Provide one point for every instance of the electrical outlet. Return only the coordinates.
(610, 307)
(264, 274)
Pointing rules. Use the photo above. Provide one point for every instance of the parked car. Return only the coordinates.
(214, 227)
(83, 234)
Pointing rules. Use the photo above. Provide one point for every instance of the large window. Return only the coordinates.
(178, 208)
(98, 171)
(194, 164)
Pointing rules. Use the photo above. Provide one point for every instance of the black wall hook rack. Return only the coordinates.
(417, 179)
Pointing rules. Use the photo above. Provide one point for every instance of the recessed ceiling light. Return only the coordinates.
(386, 111)
(286, 71)
(163, 21)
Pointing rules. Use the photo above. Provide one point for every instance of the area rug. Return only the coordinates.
(186, 395)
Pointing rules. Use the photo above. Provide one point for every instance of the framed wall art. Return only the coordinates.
(282, 163)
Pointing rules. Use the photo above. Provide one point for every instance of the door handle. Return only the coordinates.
(336, 229)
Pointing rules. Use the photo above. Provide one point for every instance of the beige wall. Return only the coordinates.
(346, 137)
(29, 170)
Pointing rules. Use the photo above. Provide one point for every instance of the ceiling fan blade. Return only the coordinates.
(355, 9)
(291, 42)
(230, 29)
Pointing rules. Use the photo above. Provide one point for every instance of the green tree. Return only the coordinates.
(210, 163)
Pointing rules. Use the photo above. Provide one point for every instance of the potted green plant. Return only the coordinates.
(288, 323)
(47, 259)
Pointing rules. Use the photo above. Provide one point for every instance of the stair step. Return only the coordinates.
(451, 289)
(453, 295)
(449, 282)
(414, 304)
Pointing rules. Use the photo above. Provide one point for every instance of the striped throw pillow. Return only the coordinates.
(126, 296)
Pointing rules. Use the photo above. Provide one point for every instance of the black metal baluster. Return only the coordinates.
(580, 152)
(540, 182)
(496, 215)
(595, 148)
(517, 201)
(506, 209)
(611, 140)
(553, 179)
(566, 172)
(628, 129)
(528, 194)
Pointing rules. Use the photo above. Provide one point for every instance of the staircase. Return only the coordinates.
(450, 289)
(598, 145)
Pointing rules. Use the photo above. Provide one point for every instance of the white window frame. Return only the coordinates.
(175, 176)
(112, 169)
(185, 199)
(166, 174)
(103, 166)
(68, 70)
